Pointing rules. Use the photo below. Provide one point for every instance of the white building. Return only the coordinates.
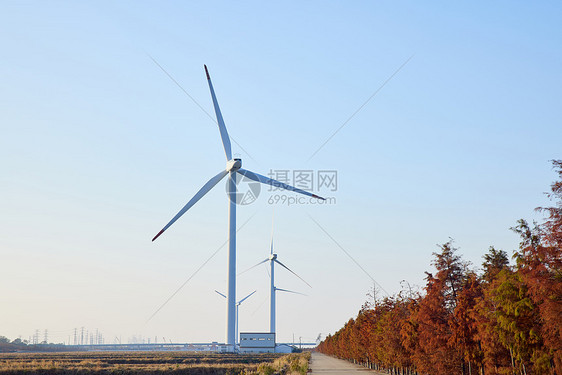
(257, 342)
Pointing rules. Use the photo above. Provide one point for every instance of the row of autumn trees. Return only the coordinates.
(506, 319)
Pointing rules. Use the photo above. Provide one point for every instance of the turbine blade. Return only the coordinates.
(254, 266)
(222, 128)
(288, 269)
(245, 298)
(220, 293)
(289, 291)
(204, 190)
(272, 182)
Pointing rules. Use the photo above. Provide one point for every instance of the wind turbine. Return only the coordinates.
(272, 259)
(233, 168)
(237, 306)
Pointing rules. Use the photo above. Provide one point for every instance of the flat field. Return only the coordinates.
(147, 363)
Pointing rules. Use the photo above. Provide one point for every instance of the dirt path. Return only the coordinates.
(323, 364)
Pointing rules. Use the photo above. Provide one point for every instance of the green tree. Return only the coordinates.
(494, 262)
(517, 320)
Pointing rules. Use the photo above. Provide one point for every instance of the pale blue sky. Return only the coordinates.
(99, 149)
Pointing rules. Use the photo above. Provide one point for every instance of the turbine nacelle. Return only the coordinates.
(233, 165)
(272, 256)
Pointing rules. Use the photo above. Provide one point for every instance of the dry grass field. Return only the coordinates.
(148, 363)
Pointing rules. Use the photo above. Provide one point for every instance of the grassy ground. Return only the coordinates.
(287, 364)
(148, 363)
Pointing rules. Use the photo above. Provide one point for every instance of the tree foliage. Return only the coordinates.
(507, 319)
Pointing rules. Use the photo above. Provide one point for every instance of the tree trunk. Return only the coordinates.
(512, 361)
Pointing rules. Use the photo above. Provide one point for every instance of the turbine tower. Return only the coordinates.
(237, 306)
(233, 168)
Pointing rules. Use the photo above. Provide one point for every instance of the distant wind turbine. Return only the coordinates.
(237, 306)
(272, 259)
(233, 168)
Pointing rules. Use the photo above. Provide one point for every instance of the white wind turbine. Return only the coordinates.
(272, 259)
(233, 167)
(237, 306)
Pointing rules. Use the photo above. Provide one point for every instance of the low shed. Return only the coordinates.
(257, 342)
